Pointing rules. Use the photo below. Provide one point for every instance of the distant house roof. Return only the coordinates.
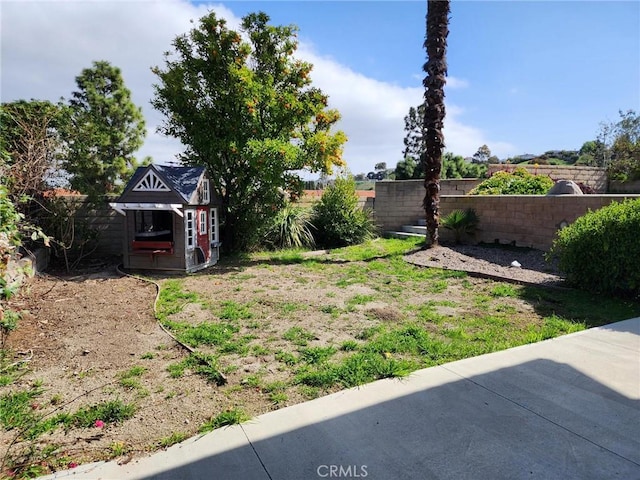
(183, 180)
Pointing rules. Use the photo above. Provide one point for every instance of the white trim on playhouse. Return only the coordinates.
(121, 207)
(151, 183)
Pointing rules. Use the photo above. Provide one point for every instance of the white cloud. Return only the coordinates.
(455, 82)
(46, 45)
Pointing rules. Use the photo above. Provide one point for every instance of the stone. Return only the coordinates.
(565, 187)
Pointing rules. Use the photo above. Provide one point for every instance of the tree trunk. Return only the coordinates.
(434, 82)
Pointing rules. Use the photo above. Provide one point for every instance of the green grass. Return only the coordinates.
(349, 346)
(172, 299)
(234, 311)
(357, 369)
(331, 310)
(505, 290)
(378, 248)
(175, 437)
(315, 355)
(220, 334)
(278, 398)
(22, 412)
(298, 336)
(358, 300)
(15, 408)
(290, 307)
(205, 365)
(552, 327)
(579, 306)
(232, 416)
(109, 412)
(285, 357)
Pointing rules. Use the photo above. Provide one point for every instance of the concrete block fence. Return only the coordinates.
(527, 220)
(594, 177)
(523, 220)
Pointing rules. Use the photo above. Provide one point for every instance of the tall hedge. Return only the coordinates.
(600, 251)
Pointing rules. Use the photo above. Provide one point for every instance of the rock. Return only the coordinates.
(565, 187)
(516, 264)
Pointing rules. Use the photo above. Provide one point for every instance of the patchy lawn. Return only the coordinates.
(261, 332)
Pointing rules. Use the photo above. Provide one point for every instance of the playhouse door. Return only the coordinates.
(203, 234)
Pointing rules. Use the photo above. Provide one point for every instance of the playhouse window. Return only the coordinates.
(205, 192)
(191, 228)
(213, 215)
(154, 225)
(203, 222)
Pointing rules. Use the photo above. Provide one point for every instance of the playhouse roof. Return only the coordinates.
(182, 180)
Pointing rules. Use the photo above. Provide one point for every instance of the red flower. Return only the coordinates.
(99, 424)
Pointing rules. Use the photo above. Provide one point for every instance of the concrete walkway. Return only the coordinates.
(567, 408)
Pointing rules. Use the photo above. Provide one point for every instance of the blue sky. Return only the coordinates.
(524, 77)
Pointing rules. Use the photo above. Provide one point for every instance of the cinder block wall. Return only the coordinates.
(624, 187)
(595, 177)
(527, 220)
(460, 186)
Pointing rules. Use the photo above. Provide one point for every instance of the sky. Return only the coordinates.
(524, 76)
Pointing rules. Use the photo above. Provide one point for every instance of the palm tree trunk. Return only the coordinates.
(436, 70)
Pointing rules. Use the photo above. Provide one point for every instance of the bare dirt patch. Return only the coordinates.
(84, 331)
(492, 262)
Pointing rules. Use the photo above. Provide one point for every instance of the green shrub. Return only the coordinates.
(291, 228)
(461, 222)
(518, 182)
(9, 222)
(337, 218)
(600, 251)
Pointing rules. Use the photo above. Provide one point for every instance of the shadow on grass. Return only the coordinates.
(579, 306)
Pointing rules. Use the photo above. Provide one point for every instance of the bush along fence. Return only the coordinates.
(594, 177)
(522, 220)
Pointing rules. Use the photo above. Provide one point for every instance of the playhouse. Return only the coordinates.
(171, 219)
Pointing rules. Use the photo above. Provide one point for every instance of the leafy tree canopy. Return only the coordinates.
(617, 147)
(625, 147)
(104, 130)
(453, 166)
(245, 108)
(482, 155)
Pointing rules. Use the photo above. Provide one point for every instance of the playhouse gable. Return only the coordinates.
(150, 182)
(164, 184)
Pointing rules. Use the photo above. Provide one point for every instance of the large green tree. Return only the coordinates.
(434, 82)
(105, 129)
(244, 107)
